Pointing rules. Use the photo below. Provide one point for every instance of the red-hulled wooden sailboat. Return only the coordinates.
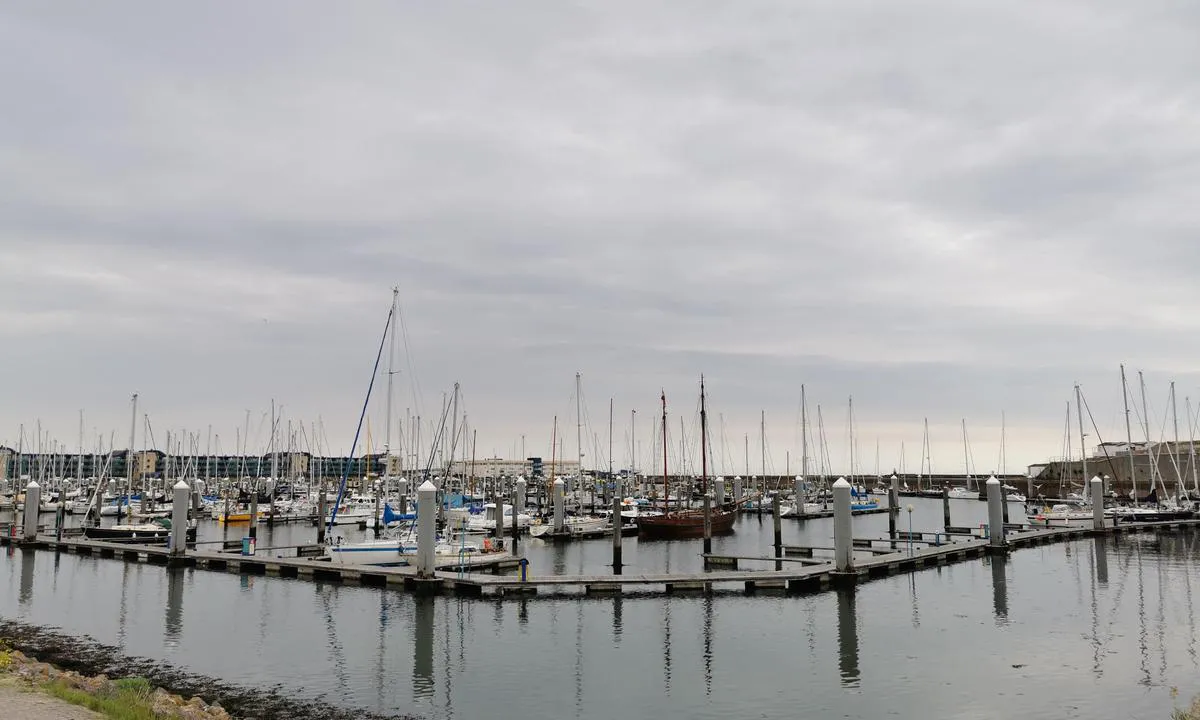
(678, 524)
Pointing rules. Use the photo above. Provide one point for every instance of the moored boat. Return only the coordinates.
(680, 524)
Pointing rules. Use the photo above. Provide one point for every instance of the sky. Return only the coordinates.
(946, 210)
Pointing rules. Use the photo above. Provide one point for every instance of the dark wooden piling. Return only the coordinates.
(616, 523)
(775, 518)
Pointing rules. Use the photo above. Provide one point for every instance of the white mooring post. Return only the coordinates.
(737, 490)
(1097, 503)
(33, 502)
(719, 492)
(519, 498)
(179, 517)
(843, 547)
(426, 528)
(560, 521)
(995, 501)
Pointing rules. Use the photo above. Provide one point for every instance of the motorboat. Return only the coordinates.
(487, 519)
(574, 525)
(1059, 514)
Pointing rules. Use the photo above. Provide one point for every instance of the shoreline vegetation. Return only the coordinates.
(129, 698)
(1191, 712)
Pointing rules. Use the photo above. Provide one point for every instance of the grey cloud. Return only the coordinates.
(944, 209)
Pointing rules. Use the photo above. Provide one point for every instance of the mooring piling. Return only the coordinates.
(1097, 503)
(426, 528)
(179, 518)
(776, 518)
(33, 501)
(995, 500)
(616, 524)
(560, 520)
(843, 533)
(253, 513)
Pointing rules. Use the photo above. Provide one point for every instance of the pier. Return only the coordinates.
(474, 576)
(797, 568)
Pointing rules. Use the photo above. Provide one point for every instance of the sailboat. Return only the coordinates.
(680, 523)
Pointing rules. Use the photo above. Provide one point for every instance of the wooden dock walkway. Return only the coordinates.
(475, 576)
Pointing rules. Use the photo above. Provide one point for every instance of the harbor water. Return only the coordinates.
(1087, 629)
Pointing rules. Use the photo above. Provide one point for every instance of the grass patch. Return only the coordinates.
(124, 704)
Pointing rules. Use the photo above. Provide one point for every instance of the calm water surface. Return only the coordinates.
(1087, 629)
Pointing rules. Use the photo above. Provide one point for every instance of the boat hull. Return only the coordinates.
(686, 524)
(145, 536)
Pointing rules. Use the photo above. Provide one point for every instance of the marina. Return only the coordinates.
(715, 638)
(851, 558)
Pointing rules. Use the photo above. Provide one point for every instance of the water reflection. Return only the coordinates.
(423, 616)
(328, 596)
(708, 644)
(667, 645)
(912, 592)
(1000, 589)
(616, 619)
(847, 638)
(579, 658)
(175, 586)
(25, 595)
(351, 645)
(123, 610)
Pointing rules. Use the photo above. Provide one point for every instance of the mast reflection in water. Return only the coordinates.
(174, 624)
(423, 616)
(26, 593)
(999, 589)
(847, 635)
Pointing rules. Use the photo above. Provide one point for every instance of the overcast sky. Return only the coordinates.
(946, 209)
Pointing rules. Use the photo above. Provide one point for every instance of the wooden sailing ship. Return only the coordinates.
(687, 523)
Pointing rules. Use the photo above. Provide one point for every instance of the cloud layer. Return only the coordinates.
(948, 210)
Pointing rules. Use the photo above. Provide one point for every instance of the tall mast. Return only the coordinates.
(79, 459)
(1175, 449)
(966, 455)
(1003, 459)
(387, 423)
(926, 459)
(1125, 396)
(803, 434)
(633, 442)
(703, 437)
(1153, 458)
(1187, 406)
(129, 456)
(1082, 436)
(666, 486)
(611, 479)
(274, 455)
(579, 431)
(851, 426)
(553, 457)
(762, 434)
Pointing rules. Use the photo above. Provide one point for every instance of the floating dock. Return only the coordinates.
(473, 576)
